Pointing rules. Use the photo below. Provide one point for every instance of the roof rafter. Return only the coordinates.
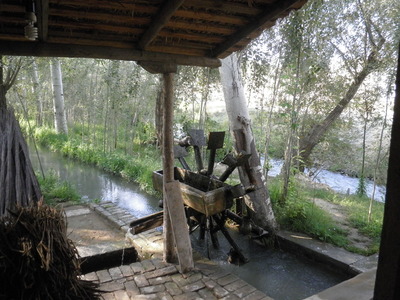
(161, 18)
(42, 11)
(267, 16)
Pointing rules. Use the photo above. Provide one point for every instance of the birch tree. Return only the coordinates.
(37, 93)
(258, 201)
(60, 120)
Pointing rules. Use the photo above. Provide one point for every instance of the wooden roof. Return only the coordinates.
(189, 32)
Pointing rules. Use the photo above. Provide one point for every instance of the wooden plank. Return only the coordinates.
(131, 6)
(63, 50)
(204, 38)
(209, 28)
(65, 26)
(161, 18)
(125, 20)
(179, 226)
(146, 223)
(42, 14)
(209, 17)
(224, 6)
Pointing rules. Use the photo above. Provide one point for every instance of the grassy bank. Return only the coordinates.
(296, 213)
(357, 209)
(300, 214)
(55, 191)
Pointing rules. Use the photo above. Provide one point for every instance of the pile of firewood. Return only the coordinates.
(37, 260)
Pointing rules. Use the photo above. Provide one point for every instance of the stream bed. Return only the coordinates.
(281, 275)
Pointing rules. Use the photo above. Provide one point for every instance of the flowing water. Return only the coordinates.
(340, 183)
(279, 274)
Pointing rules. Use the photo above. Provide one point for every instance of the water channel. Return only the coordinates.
(281, 275)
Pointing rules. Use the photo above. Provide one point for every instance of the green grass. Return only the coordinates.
(357, 210)
(301, 215)
(56, 191)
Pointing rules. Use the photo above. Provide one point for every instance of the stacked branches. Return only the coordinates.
(18, 183)
(37, 260)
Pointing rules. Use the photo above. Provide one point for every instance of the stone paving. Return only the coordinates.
(155, 279)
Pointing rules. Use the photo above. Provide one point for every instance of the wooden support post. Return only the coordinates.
(387, 285)
(176, 233)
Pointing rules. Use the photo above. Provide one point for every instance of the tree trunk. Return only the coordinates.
(291, 152)
(258, 201)
(205, 90)
(313, 137)
(60, 120)
(159, 113)
(37, 93)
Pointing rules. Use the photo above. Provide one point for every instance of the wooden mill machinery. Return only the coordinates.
(208, 199)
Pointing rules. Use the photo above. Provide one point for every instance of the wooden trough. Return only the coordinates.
(204, 194)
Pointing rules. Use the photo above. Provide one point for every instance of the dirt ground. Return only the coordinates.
(338, 213)
(92, 233)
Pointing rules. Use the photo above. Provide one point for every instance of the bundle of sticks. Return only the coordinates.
(37, 260)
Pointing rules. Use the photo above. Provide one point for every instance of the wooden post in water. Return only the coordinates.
(387, 285)
(176, 233)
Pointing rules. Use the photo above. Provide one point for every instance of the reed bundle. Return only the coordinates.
(37, 260)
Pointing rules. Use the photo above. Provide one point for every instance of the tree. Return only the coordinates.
(359, 69)
(60, 120)
(37, 93)
(18, 183)
(251, 173)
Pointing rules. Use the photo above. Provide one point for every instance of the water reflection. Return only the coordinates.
(92, 183)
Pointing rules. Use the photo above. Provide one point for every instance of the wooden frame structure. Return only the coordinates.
(185, 32)
(159, 35)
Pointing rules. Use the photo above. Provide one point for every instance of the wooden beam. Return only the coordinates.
(176, 234)
(158, 68)
(387, 285)
(63, 50)
(273, 12)
(161, 18)
(146, 223)
(42, 14)
(170, 254)
(176, 213)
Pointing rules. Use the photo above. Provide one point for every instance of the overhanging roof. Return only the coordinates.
(188, 32)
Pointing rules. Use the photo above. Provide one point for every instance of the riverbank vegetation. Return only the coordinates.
(296, 212)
